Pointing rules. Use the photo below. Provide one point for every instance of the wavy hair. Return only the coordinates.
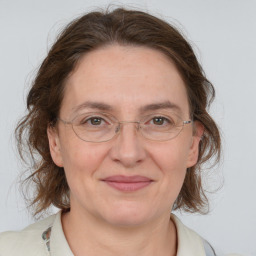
(84, 34)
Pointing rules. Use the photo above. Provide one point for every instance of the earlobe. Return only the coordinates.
(54, 145)
(194, 148)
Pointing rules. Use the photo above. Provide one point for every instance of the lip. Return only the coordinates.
(128, 183)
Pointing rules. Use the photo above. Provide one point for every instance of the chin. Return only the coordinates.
(128, 216)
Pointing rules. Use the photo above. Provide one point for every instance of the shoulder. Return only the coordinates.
(27, 241)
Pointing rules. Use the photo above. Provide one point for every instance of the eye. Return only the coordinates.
(161, 121)
(94, 121)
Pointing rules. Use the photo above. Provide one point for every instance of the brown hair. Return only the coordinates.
(82, 35)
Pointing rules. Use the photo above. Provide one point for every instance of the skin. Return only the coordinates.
(103, 220)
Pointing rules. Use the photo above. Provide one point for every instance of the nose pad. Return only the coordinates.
(137, 125)
(118, 128)
(127, 149)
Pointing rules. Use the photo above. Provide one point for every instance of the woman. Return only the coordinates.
(118, 130)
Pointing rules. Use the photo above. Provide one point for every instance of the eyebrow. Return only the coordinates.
(150, 107)
(94, 105)
(161, 105)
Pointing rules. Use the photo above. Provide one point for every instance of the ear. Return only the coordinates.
(194, 148)
(54, 144)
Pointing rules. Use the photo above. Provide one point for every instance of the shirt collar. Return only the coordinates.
(189, 242)
(58, 243)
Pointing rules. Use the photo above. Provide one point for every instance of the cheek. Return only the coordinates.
(81, 158)
(81, 162)
(172, 156)
(173, 167)
(171, 160)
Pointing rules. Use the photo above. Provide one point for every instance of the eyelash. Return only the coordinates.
(90, 119)
(165, 119)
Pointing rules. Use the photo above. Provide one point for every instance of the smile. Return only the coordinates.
(128, 183)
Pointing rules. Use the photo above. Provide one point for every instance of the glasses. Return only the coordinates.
(102, 127)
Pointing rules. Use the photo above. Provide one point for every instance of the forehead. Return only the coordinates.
(126, 78)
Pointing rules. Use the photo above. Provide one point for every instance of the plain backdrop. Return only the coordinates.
(223, 34)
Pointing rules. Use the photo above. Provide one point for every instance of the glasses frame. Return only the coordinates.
(184, 122)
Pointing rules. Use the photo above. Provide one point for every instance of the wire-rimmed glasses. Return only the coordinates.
(102, 127)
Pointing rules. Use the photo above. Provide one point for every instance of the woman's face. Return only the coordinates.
(128, 180)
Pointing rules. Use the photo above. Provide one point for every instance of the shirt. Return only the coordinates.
(46, 238)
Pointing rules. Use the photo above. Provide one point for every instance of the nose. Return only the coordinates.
(128, 148)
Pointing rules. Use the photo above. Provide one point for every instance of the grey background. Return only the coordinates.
(223, 34)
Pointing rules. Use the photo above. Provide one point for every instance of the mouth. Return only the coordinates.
(127, 183)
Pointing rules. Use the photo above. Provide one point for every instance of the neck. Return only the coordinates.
(87, 235)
